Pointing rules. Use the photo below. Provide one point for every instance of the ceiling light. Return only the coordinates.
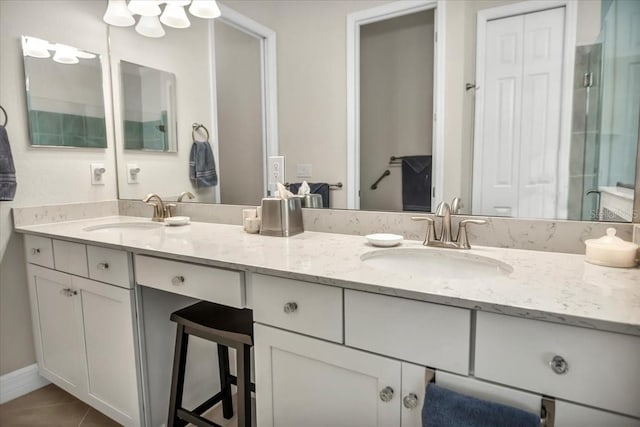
(150, 26)
(118, 14)
(65, 54)
(35, 47)
(206, 9)
(144, 7)
(174, 16)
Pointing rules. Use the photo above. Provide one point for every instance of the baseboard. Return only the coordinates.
(20, 382)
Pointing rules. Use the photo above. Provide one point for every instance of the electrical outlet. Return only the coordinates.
(304, 170)
(276, 170)
(97, 173)
(132, 173)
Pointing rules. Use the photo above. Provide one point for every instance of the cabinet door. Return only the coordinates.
(109, 337)
(57, 324)
(303, 381)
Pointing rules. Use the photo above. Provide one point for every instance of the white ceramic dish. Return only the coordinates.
(384, 240)
(177, 220)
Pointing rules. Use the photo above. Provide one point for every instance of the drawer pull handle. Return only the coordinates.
(103, 266)
(69, 292)
(290, 307)
(177, 280)
(410, 401)
(559, 365)
(35, 251)
(386, 394)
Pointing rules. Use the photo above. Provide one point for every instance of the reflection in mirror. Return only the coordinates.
(148, 103)
(65, 99)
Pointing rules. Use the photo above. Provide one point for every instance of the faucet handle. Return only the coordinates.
(168, 213)
(431, 230)
(463, 239)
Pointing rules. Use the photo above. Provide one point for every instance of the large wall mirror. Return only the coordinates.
(65, 99)
(522, 109)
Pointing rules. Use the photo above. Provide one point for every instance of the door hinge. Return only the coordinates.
(587, 79)
(435, 37)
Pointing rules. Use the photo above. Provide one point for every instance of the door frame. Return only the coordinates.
(570, 28)
(376, 14)
(269, 80)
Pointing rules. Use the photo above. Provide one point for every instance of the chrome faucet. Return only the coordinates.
(444, 211)
(159, 209)
(188, 194)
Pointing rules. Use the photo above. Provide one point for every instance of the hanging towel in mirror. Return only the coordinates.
(446, 408)
(8, 182)
(202, 166)
(416, 183)
(321, 188)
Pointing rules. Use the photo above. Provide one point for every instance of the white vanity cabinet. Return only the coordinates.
(84, 332)
(303, 381)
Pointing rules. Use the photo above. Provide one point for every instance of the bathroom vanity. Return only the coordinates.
(337, 339)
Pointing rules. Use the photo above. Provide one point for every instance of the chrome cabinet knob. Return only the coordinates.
(177, 280)
(35, 251)
(410, 401)
(290, 307)
(69, 292)
(386, 394)
(559, 365)
(103, 266)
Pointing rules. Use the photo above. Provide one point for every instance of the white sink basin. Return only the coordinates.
(441, 263)
(124, 226)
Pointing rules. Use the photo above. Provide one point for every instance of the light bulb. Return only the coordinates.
(150, 26)
(174, 16)
(144, 7)
(35, 47)
(207, 9)
(118, 14)
(65, 54)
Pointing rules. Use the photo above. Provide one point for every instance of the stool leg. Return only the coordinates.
(244, 385)
(177, 378)
(225, 384)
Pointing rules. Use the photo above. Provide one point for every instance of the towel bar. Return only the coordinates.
(6, 116)
(547, 405)
(336, 186)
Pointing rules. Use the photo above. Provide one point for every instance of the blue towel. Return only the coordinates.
(202, 167)
(446, 408)
(416, 183)
(8, 182)
(321, 188)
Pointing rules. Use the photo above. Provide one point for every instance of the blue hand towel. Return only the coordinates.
(321, 188)
(8, 182)
(416, 183)
(202, 167)
(446, 408)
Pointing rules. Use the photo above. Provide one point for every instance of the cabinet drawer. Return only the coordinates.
(70, 257)
(602, 368)
(298, 306)
(572, 415)
(428, 334)
(197, 281)
(39, 250)
(109, 265)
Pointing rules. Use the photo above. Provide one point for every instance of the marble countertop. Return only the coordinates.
(543, 286)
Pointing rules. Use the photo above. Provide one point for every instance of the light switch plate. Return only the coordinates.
(132, 173)
(304, 170)
(276, 170)
(97, 173)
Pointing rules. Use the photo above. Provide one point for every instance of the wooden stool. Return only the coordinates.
(228, 327)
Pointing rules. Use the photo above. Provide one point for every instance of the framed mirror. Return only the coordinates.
(149, 108)
(65, 95)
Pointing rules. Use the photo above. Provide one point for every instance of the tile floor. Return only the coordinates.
(53, 407)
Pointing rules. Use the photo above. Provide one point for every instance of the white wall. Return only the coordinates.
(184, 53)
(44, 175)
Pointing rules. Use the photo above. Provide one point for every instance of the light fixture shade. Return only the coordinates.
(144, 7)
(174, 16)
(150, 26)
(207, 9)
(35, 47)
(65, 54)
(118, 14)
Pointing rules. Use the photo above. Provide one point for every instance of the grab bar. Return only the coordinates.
(375, 184)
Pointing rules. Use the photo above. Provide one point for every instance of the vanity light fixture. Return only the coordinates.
(152, 16)
(65, 54)
(35, 47)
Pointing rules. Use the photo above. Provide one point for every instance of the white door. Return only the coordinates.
(413, 389)
(110, 350)
(57, 322)
(516, 149)
(303, 381)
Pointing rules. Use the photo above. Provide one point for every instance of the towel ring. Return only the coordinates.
(6, 116)
(195, 128)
